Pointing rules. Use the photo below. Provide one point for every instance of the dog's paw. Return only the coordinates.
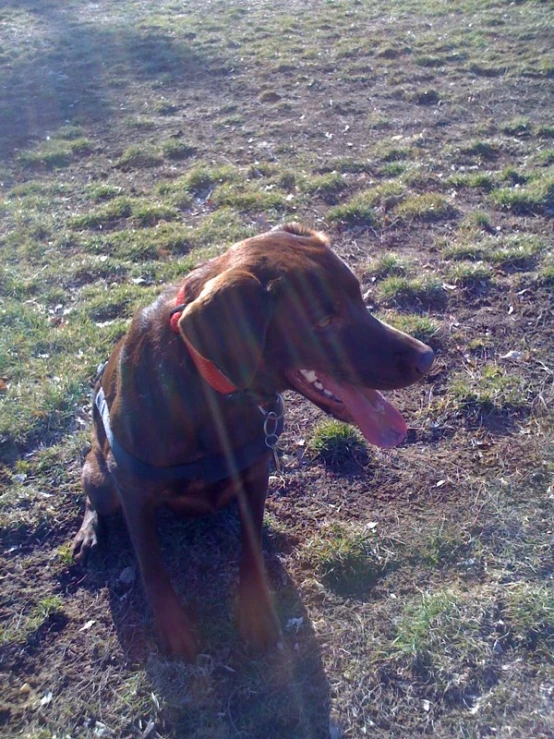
(176, 635)
(258, 623)
(85, 541)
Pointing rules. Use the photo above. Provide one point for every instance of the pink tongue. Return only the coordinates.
(377, 419)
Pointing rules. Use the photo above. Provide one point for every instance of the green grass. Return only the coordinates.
(403, 291)
(176, 149)
(546, 275)
(419, 326)
(139, 157)
(55, 154)
(413, 584)
(529, 611)
(347, 559)
(338, 444)
(328, 186)
(103, 192)
(385, 266)
(482, 150)
(107, 216)
(518, 252)
(488, 388)
(248, 197)
(469, 275)
(442, 634)
(537, 196)
(361, 209)
(425, 207)
(358, 211)
(477, 180)
(40, 614)
(517, 127)
(443, 546)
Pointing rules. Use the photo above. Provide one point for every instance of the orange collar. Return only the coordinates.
(207, 370)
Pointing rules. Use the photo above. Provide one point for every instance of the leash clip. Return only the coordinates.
(272, 422)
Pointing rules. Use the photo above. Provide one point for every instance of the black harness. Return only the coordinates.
(208, 469)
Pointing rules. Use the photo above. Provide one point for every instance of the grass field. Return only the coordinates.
(414, 586)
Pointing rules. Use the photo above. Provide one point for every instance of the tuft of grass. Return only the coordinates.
(545, 131)
(517, 127)
(347, 559)
(385, 266)
(546, 275)
(42, 612)
(176, 150)
(145, 213)
(536, 197)
(529, 612)
(517, 252)
(463, 251)
(326, 185)
(139, 156)
(441, 634)
(478, 180)
(470, 275)
(511, 175)
(420, 327)
(546, 157)
(480, 219)
(245, 196)
(488, 388)
(442, 546)
(165, 107)
(201, 178)
(403, 291)
(360, 209)
(395, 154)
(425, 207)
(55, 154)
(347, 165)
(393, 169)
(103, 192)
(338, 444)
(481, 149)
(105, 217)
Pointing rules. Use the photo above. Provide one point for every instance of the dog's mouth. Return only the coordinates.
(378, 420)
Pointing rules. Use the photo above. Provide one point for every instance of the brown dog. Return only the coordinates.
(187, 410)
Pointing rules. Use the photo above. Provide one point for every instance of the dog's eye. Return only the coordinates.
(324, 322)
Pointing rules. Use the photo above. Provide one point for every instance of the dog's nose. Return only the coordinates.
(424, 360)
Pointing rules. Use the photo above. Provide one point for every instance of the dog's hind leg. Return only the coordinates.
(101, 500)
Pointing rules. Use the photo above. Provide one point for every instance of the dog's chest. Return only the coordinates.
(195, 498)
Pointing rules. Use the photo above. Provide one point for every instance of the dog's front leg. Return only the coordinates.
(258, 622)
(176, 634)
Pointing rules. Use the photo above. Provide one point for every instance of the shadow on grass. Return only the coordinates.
(79, 72)
(227, 692)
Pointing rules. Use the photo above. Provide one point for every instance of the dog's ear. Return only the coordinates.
(227, 324)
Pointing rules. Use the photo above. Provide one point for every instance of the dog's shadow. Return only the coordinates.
(228, 692)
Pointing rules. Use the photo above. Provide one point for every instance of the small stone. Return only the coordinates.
(127, 576)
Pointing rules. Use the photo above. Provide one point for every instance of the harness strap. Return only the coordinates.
(209, 469)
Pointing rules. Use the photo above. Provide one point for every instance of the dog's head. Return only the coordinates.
(285, 311)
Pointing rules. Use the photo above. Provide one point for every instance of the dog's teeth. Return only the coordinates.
(328, 393)
(310, 375)
(319, 386)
